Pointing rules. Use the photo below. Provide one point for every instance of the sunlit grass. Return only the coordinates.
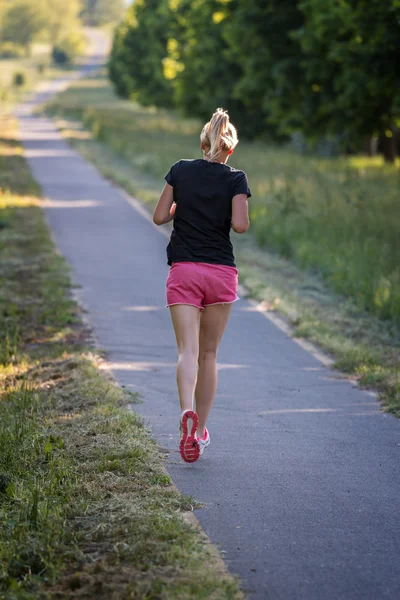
(369, 163)
(33, 68)
(29, 68)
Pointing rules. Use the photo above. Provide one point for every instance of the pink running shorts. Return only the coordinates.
(201, 284)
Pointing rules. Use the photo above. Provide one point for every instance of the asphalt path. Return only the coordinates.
(301, 483)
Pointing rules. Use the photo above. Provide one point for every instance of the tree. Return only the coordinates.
(325, 68)
(139, 47)
(22, 21)
(62, 19)
(258, 36)
(118, 63)
(350, 52)
(201, 72)
(68, 46)
(4, 5)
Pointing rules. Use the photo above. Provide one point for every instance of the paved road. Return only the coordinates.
(301, 484)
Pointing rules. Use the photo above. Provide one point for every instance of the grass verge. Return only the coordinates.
(32, 70)
(86, 507)
(135, 147)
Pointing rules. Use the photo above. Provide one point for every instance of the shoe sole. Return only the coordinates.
(189, 447)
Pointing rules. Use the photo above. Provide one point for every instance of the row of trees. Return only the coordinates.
(23, 22)
(325, 68)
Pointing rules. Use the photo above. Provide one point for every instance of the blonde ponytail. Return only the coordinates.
(218, 135)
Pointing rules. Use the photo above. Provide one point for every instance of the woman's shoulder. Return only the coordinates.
(235, 172)
(179, 168)
(190, 161)
(201, 163)
(184, 162)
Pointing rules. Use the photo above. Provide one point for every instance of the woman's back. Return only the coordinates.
(203, 192)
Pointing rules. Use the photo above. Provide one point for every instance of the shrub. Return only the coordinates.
(68, 48)
(19, 79)
(11, 50)
(59, 56)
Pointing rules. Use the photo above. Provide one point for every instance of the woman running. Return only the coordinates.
(205, 197)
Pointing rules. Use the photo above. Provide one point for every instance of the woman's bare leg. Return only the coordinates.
(185, 320)
(212, 326)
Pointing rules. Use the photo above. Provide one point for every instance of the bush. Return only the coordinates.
(19, 79)
(11, 50)
(68, 48)
(59, 56)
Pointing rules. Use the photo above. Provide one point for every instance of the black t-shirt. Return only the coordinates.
(203, 193)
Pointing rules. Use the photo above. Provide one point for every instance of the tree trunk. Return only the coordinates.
(371, 145)
(388, 146)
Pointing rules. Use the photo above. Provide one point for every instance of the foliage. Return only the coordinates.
(68, 47)
(62, 19)
(325, 68)
(24, 21)
(11, 50)
(195, 35)
(21, 22)
(59, 56)
(119, 62)
(140, 44)
(267, 47)
(19, 79)
(349, 85)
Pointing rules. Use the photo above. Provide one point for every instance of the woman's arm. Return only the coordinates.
(165, 209)
(240, 213)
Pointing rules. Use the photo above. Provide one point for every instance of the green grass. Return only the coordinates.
(135, 147)
(34, 68)
(86, 506)
(340, 217)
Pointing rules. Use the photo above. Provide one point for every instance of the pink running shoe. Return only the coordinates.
(189, 446)
(204, 441)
